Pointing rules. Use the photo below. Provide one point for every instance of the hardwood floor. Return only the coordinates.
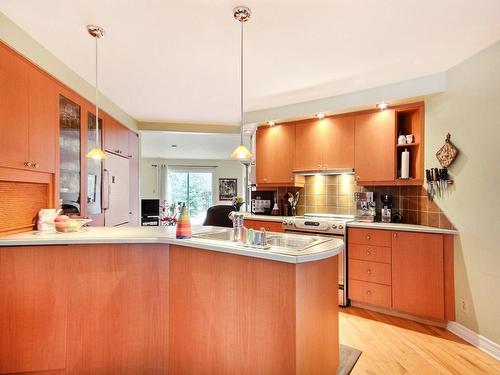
(393, 345)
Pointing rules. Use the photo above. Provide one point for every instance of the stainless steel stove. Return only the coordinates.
(328, 226)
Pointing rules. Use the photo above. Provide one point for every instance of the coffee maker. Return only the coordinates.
(365, 206)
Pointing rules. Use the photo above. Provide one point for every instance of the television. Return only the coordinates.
(150, 207)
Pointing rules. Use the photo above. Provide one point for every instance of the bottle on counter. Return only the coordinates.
(183, 229)
(386, 215)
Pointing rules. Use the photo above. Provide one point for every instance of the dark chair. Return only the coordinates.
(218, 216)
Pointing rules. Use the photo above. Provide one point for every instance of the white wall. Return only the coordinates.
(224, 168)
(470, 111)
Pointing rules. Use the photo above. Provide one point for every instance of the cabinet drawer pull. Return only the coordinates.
(28, 163)
(369, 271)
(369, 292)
(36, 165)
(368, 252)
(395, 235)
(368, 237)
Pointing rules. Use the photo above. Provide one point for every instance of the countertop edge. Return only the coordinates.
(401, 227)
(168, 240)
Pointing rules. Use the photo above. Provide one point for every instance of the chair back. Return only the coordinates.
(219, 216)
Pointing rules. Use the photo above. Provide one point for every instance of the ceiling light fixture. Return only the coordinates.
(382, 106)
(320, 115)
(271, 123)
(241, 14)
(96, 153)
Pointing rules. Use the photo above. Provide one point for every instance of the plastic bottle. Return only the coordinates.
(183, 229)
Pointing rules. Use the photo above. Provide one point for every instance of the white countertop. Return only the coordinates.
(401, 227)
(166, 235)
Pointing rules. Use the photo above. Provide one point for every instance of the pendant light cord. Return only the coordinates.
(241, 86)
(96, 95)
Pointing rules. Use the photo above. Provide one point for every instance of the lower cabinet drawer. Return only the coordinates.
(269, 226)
(370, 293)
(369, 253)
(370, 271)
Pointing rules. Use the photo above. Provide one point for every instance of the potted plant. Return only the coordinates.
(237, 203)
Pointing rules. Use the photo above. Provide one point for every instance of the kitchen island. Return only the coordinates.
(137, 300)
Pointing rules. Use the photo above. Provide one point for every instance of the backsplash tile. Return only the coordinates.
(335, 195)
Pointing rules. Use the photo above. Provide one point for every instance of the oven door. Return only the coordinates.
(343, 301)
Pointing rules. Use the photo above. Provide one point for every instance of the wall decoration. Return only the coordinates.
(228, 188)
(447, 153)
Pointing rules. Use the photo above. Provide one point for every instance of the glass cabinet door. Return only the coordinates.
(94, 168)
(70, 145)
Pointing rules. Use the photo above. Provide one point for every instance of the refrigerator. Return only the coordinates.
(116, 185)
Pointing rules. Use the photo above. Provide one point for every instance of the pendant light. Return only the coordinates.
(96, 153)
(241, 14)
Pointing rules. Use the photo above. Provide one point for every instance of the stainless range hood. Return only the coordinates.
(324, 172)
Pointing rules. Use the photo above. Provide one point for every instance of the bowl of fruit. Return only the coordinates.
(65, 224)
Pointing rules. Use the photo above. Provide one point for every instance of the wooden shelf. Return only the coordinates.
(408, 144)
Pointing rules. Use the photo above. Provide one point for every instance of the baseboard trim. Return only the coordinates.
(474, 338)
(397, 314)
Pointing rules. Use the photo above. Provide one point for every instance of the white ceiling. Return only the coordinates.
(157, 144)
(166, 60)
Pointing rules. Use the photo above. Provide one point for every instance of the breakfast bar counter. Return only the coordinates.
(139, 301)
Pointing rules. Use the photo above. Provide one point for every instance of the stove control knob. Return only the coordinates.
(341, 226)
(334, 226)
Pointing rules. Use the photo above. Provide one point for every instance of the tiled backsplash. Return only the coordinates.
(334, 195)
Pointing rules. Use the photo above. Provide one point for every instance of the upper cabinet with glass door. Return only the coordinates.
(70, 152)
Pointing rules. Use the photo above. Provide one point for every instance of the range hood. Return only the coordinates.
(324, 172)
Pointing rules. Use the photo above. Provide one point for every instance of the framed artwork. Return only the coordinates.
(228, 188)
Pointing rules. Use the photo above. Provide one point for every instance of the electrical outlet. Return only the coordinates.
(464, 306)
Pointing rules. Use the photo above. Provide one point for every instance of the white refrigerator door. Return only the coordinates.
(116, 190)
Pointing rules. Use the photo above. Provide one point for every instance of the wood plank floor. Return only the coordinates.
(393, 345)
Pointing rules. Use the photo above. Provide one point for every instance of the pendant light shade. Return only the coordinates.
(241, 14)
(96, 153)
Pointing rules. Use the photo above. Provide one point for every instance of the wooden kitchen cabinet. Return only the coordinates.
(418, 274)
(374, 151)
(28, 115)
(275, 154)
(324, 144)
(43, 121)
(115, 137)
(14, 117)
(408, 272)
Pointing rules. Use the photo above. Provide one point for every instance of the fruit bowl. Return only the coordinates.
(71, 225)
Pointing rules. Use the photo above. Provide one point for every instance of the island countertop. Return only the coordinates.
(166, 235)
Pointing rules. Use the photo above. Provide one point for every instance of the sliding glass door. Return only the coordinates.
(193, 186)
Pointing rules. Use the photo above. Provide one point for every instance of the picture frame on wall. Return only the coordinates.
(228, 188)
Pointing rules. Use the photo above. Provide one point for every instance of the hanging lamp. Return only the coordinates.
(96, 153)
(241, 14)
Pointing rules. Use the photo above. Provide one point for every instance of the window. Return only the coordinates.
(193, 186)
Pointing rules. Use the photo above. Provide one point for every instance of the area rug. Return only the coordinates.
(348, 358)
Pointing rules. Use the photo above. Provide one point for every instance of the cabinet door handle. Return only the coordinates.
(368, 237)
(395, 235)
(369, 271)
(36, 165)
(357, 177)
(368, 252)
(369, 292)
(28, 164)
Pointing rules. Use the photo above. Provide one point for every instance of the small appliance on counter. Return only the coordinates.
(387, 208)
(365, 206)
(261, 202)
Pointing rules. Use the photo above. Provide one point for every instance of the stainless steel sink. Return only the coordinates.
(278, 242)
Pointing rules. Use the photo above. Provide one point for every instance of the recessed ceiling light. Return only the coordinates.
(382, 106)
(271, 123)
(320, 115)
(174, 146)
